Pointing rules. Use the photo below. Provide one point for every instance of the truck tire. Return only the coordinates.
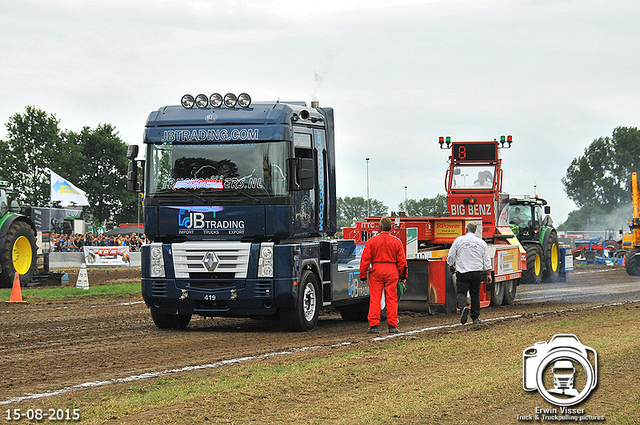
(497, 295)
(510, 287)
(632, 262)
(533, 274)
(354, 312)
(304, 316)
(18, 254)
(450, 301)
(170, 321)
(551, 258)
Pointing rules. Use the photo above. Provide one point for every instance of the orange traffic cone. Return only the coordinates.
(16, 292)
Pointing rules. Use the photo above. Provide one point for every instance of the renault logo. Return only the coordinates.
(210, 261)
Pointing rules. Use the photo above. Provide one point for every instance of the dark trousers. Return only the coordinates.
(469, 281)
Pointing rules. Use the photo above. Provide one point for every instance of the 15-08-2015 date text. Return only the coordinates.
(58, 415)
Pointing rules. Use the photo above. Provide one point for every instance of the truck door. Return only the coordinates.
(304, 200)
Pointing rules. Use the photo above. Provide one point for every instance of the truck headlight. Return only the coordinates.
(265, 261)
(157, 260)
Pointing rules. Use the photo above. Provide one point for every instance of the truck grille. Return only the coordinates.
(263, 289)
(158, 289)
(233, 258)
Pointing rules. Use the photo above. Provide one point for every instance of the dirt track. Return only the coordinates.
(55, 345)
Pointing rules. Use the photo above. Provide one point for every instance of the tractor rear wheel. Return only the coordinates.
(551, 258)
(533, 274)
(632, 262)
(18, 254)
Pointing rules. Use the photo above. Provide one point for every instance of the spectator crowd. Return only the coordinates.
(76, 242)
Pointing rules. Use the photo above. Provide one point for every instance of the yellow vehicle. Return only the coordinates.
(632, 258)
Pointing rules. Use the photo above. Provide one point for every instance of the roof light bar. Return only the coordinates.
(506, 141)
(444, 141)
(216, 100)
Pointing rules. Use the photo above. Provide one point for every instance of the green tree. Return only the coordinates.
(355, 209)
(602, 176)
(425, 207)
(103, 175)
(599, 181)
(33, 147)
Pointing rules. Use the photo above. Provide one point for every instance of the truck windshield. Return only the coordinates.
(472, 177)
(257, 169)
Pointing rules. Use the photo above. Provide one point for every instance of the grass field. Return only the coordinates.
(53, 293)
(469, 375)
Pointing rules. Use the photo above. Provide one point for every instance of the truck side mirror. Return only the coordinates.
(132, 152)
(132, 176)
(547, 209)
(306, 174)
(301, 174)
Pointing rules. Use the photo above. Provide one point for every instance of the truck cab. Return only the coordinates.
(239, 204)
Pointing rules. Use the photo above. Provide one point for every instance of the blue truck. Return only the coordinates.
(240, 207)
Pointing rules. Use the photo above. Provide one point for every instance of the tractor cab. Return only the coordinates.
(7, 203)
(528, 216)
(530, 221)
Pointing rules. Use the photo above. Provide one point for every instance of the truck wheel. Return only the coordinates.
(497, 295)
(355, 312)
(18, 254)
(304, 316)
(171, 321)
(450, 301)
(509, 291)
(533, 274)
(632, 262)
(551, 259)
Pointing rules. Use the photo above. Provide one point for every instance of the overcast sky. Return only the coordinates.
(554, 74)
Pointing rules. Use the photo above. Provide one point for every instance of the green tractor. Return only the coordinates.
(18, 250)
(531, 223)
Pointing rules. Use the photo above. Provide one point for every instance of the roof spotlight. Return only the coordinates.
(187, 101)
(202, 101)
(244, 100)
(230, 100)
(216, 100)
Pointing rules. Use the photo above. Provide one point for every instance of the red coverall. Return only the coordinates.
(385, 254)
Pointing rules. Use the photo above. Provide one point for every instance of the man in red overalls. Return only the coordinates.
(384, 253)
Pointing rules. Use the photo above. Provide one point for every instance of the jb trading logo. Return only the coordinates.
(564, 372)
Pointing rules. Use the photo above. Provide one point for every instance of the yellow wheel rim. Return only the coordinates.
(538, 266)
(22, 255)
(554, 257)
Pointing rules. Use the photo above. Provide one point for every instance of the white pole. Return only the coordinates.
(368, 202)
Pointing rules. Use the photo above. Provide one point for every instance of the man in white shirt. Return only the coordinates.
(469, 259)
